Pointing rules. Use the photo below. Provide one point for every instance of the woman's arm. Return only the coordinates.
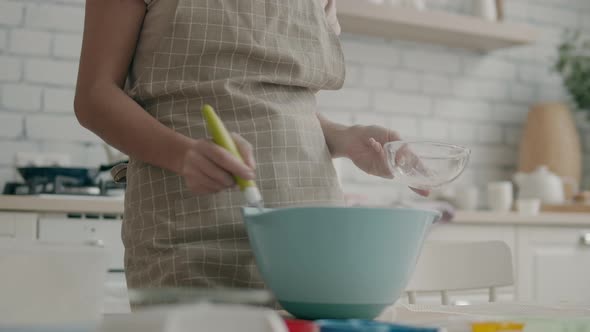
(334, 133)
(111, 30)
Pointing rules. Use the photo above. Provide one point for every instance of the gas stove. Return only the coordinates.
(64, 186)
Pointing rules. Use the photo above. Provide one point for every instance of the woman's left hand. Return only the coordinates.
(364, 146)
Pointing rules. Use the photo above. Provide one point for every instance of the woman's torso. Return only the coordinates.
(259, 64)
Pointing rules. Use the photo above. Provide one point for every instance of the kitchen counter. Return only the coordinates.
(114, 205)
(514, 218)
(62, 203)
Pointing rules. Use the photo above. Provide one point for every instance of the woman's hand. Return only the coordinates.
(208, 168)
(364, 146)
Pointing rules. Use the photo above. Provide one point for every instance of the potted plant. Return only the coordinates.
(573, 63)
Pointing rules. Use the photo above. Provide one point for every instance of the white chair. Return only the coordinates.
(454, 266)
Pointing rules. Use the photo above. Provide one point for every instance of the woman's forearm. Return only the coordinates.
(108, 112)
(111, 31)
(334, 133)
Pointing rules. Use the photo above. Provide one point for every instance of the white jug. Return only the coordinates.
(541, 184)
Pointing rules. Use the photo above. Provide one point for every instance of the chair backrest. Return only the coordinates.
(452, 266)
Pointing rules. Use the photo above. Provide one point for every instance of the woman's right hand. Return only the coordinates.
(208, 168)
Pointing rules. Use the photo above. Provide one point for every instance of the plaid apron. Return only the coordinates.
(259, 63)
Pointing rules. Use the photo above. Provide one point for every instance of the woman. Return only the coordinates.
(145, 71)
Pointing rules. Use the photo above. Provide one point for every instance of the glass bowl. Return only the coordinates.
(426, 165)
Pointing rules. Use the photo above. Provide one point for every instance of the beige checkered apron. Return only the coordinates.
(259, 64)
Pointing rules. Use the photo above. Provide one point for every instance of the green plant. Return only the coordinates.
(573, 64)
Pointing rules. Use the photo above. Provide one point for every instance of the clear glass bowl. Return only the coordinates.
(426, 165)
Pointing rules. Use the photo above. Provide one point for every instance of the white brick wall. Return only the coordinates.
(10, 148)
(437, 84)
(427, 61)
(10, 69)
(462, 109)
(406, 80)
(57, 128)
(489, 67)
(462, 132)
(21, 97)
(370, 52)
(480, 89)
(58, 100)
(422, 91)
(11, 12)
(67, 45)
(376, 77)
(11, 125)
(3, 40)
(434, 130)
(55, 17)
(54, 72)
(29, 42)
(402, 103)
(344, 98)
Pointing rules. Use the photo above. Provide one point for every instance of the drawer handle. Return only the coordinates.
(585, 239)
(95, 243)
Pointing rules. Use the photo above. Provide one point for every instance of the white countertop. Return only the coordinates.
(62, 203)
(114, 205)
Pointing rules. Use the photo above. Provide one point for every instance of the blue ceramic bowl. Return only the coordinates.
(337, 262)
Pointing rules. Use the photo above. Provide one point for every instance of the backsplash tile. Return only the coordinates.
(422, 91)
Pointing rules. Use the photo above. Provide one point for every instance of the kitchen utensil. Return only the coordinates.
(195, 295)
(551, 138)
(222, 138)
(337, 262)
(500, 196)
(50, 284)
(426, 165)
(541, 184)
(566, 208)
(530, 206)
(466, 197)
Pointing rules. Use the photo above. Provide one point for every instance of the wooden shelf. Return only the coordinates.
(514, 218)
(363, 17)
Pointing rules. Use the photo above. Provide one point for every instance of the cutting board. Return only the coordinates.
(567, 208)
(551, 138)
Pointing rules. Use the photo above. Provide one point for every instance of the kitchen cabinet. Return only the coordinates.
(554, 264)
(550, 253)
(18, 225)
(62, 220)
(103, 232)
(472, 232)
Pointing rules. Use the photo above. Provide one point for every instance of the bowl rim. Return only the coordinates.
(267, 211)
(462, 151)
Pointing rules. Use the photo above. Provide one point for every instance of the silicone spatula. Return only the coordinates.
(222, 138)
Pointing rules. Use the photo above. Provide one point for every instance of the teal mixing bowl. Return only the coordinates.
(337, 262)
